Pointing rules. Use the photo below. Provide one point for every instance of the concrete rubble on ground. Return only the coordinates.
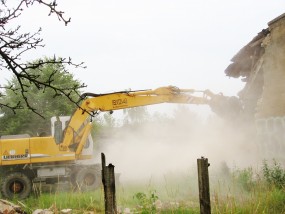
(50, 211)
(8, 207)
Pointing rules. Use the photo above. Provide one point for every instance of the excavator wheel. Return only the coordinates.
(16, 185)
(87, 179)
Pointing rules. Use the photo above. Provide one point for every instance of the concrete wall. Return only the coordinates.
(270, 111)
(272, 102)
(271, 138)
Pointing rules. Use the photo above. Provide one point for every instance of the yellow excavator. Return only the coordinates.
(26, 160)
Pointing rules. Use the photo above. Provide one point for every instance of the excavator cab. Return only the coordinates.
(58, 126)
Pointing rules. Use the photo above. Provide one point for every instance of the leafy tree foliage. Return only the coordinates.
(14, 45)
(136, 115)
(109, 121)
(46, 102)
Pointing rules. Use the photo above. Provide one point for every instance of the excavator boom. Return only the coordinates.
(122, 100)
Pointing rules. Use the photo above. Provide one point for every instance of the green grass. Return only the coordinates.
(266, 201)
(77, 201)
(239, 191)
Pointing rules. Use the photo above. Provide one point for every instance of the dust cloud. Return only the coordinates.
(153, 148)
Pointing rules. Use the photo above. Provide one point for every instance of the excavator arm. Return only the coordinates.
(79, 127)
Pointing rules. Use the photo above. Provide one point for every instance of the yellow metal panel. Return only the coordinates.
(44, 149)
(84, 157)
(15, 151)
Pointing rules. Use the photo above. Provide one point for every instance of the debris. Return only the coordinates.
(41, 211)
(66, 211)
(10, 208)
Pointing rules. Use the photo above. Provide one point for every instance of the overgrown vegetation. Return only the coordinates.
(147, 202)
(244, 191)
(274, 175)
(253, 192)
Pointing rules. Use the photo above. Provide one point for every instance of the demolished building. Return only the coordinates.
(261, 65)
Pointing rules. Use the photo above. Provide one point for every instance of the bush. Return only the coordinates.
(244, 178)
(146, 202)
(274, 175)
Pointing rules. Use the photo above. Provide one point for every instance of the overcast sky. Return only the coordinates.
(131, 44)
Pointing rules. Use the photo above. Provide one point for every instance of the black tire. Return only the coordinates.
(88, 179)
(16, 185)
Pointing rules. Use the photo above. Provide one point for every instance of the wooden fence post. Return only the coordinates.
(204, 187)
(108, 180)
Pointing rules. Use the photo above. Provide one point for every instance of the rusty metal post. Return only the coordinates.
(204, 187)
(108, 180)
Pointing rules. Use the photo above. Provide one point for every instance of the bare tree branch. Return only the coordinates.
(14, 44)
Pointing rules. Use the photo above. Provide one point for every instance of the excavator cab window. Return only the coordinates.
(58, 131)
